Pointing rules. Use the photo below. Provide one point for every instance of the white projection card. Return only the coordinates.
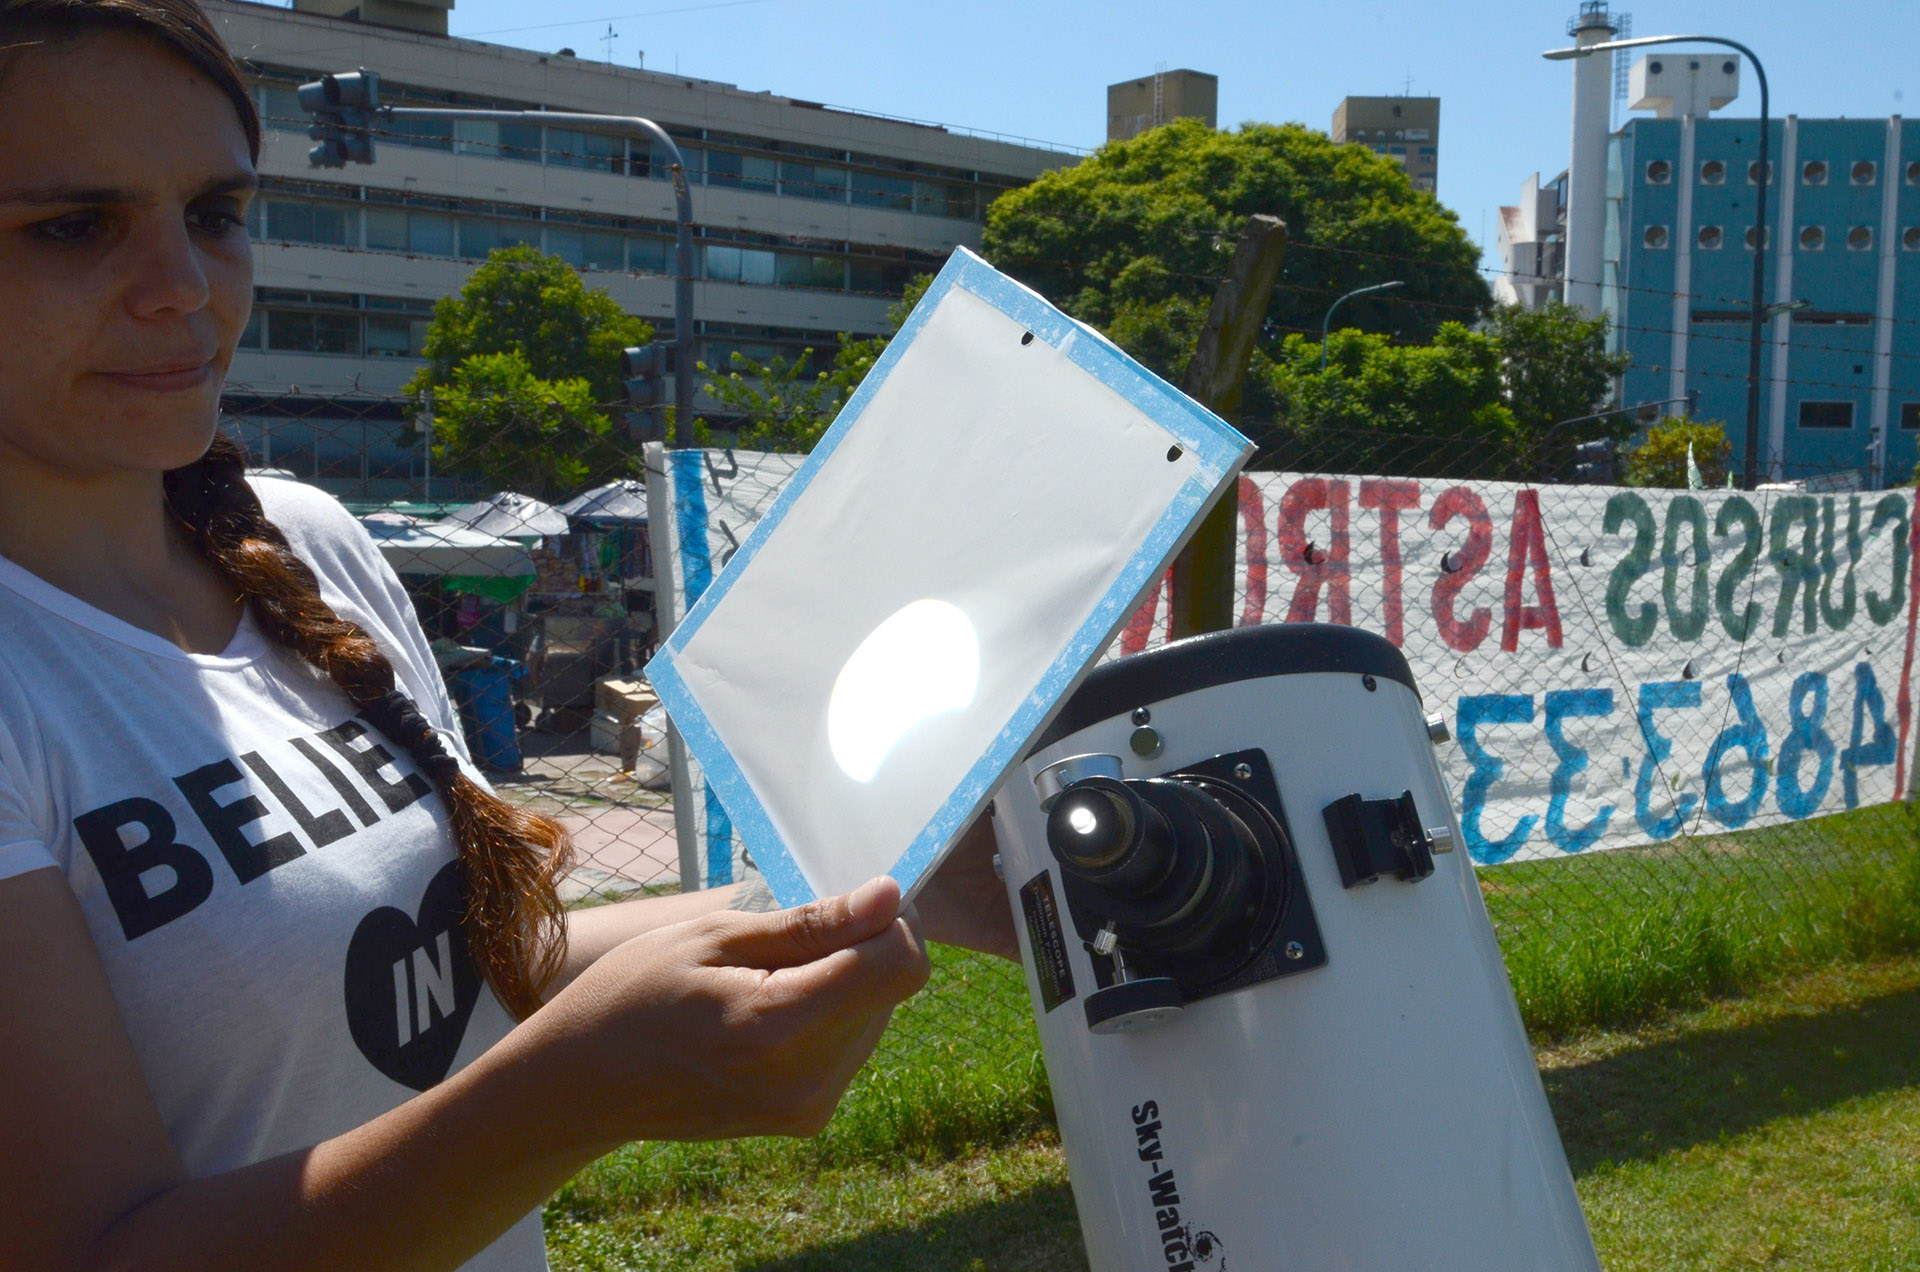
(958, 550)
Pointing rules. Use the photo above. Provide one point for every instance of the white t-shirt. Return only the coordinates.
(270, 883)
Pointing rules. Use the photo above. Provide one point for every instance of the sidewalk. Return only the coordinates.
(621, 848)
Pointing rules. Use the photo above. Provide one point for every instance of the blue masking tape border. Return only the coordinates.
(1215, 445)
(688, 470)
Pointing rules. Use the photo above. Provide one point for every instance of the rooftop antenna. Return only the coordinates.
(1622, 64)
(1406, 84)
(608, 40)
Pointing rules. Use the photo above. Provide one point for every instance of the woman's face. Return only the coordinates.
(125, 275)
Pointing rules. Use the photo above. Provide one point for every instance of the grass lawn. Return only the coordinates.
(1780, 1130)
(1706, 1129)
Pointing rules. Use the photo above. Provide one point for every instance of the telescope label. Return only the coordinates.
(1183, 1248)
(1046, 940)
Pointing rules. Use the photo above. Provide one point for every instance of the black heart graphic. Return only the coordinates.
(411, 984)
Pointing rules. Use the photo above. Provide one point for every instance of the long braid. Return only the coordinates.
(513, 859)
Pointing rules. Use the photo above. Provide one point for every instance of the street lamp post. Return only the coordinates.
(1327, 322)
(1755, 318)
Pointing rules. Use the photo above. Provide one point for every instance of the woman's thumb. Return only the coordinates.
(812, 931)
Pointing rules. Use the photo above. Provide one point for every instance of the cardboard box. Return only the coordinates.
(624, 700)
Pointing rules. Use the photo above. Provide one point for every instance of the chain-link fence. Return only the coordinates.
(1680, 718)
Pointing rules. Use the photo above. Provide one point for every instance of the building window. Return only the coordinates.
(1814, 172)
(1709, 238)
(1860, 238)
(1835, 415)
(596, 152)
(1659, 172)
(739, 265)
(871, 190)
(296, 331)
(1713, 172)
(497, 139)
(813, 181)
(480, 236)
(1756, 237)
(744, 172)
(394, 336)
(1753, 172)
(1910, 238)
(1655, 237)
(1913, 173)
(793, 270)
(1812, 238)
(297, 221)
(587, 249)
(1910, 416)
(421, 233)
(1864, 171)
(280, 109)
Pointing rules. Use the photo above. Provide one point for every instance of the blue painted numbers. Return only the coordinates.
(1739, 769)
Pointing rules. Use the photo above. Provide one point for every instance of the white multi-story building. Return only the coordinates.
(1532, 243)
(809, 219)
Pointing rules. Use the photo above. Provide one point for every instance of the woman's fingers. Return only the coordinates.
(793, 937)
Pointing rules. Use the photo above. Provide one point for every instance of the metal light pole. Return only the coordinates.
(1756, 316)
(365, 92)
(1327, 322)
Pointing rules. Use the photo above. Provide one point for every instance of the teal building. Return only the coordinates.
(1840, 364)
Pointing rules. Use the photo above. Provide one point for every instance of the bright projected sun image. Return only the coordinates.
(923, 661)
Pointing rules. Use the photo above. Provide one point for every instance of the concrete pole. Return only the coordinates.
(1587, 165)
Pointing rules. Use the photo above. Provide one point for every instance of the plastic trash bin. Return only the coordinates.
(484, 696)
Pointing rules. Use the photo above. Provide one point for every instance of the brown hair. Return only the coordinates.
(512, 859)
(176, 25)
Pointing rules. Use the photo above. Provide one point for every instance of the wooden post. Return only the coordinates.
(1216, 377)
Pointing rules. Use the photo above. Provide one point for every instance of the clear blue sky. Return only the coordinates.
(1039, 68)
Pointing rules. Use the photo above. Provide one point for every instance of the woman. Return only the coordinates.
(284, 986)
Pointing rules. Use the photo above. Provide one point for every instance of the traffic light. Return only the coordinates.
(343, 107)
(644, 368)
(1593, 463)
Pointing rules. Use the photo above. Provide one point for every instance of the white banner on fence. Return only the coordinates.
(1617, 666)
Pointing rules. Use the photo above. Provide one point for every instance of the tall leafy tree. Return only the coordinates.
(521, 367)
(1374, 405)
(1557, 369)
(1134, 238)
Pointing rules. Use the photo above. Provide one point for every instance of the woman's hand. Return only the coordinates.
(965, 902)
(731, 1024)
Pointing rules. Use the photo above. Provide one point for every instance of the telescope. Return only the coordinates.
(1274, 1016)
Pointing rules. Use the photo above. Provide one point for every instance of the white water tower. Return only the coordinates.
(1587, 168)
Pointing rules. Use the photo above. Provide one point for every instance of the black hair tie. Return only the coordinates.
(395, 715)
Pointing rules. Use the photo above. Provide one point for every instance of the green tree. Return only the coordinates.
(1134, 238)
(1661, 460)
(1557, 368)
(1378, 406)
(521, 365)
(778, 407)
(498, 420)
